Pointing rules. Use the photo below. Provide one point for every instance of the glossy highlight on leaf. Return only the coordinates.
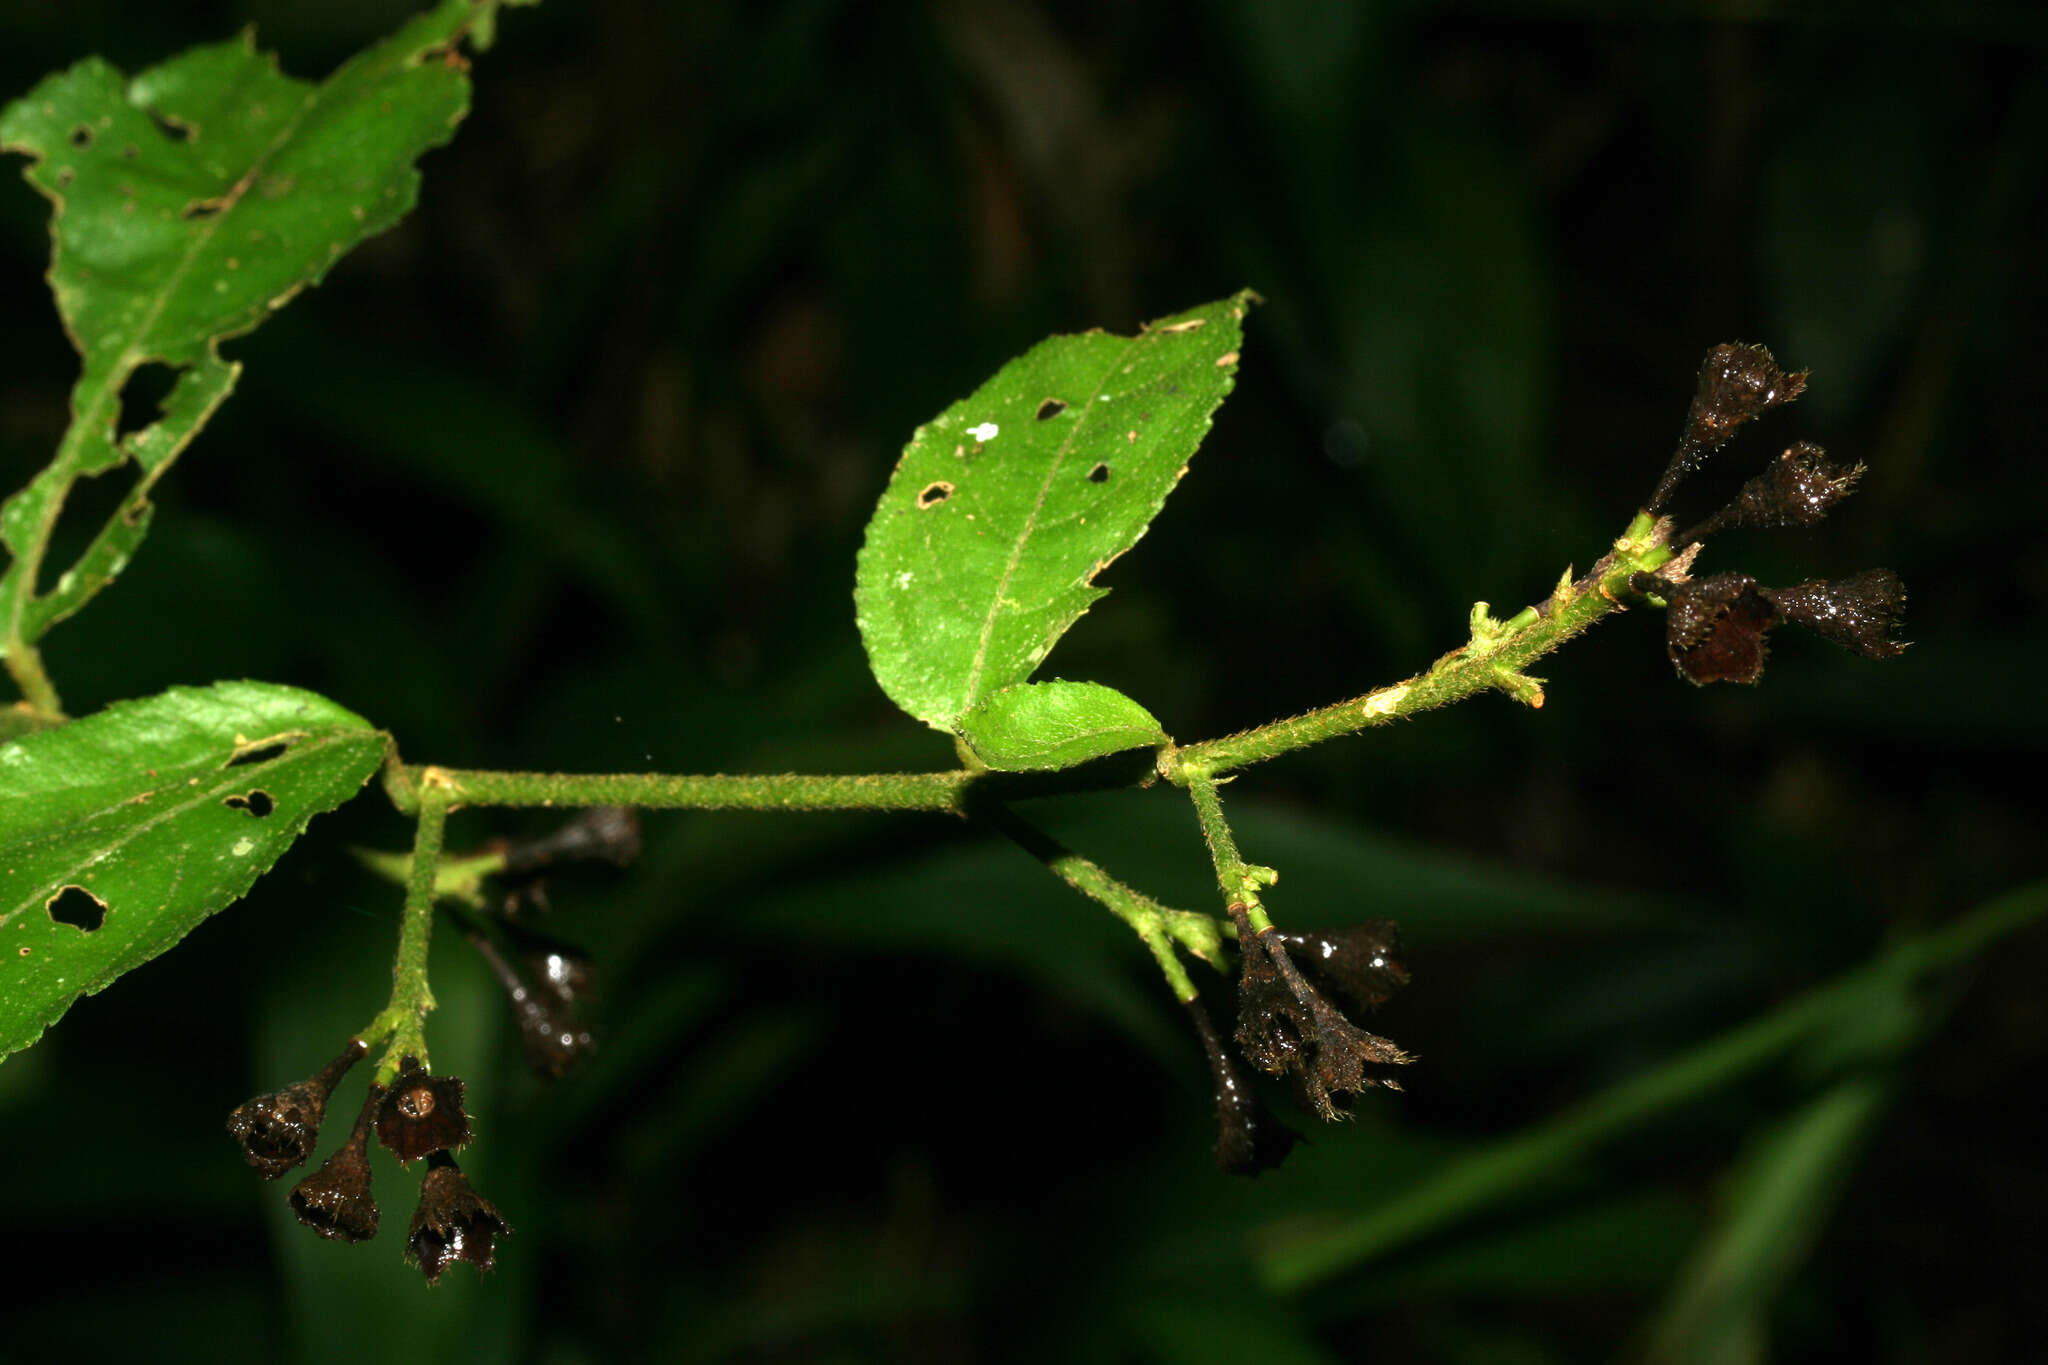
(1038, 727)
(1004, 508)
(133, 810)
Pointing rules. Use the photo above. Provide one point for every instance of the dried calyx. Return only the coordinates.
(422, 1114)
(1716, 626)
(1248, 1138)
(1286, 1026)
(1798, 488)
(279, 1131)
(1737, 382)
(608, 834)
(335, 1200)
(452, 1223)
(1361, 962)
(544, 1003)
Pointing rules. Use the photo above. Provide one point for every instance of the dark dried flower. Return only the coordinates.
(279, 1131)
(1715, 626)
(609, 834)
(549, 1033)
(1737, 382)
(561, 971)
(1858, 613)
(1361, 962)
(335, 1200)
(1248, 1138)
(1285, 1025)
(422, 1114)
(452, 1223)
(1798, 488)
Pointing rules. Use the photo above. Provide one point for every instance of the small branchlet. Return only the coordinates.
(279, 1131)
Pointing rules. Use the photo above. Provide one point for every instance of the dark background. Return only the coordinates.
(569, 471)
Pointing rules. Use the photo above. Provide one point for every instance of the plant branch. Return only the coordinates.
(941, 791)
(1493, 658)
(1159, 926)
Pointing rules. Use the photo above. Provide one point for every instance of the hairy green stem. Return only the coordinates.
(942, 791)
(1159, 926)
(25, 666)
(1295, 1259)
(1493, 658)
(403, 1021)
(1239, 879)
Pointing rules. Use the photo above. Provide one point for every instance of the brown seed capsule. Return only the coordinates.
(554, 1041)
(1799, 488)
(1736, 383)
(1715, 628)
(335, 1200)
(422, 1115)
(279, 1131)
(1858, 613)
(1286, 1026)
(452, 1223)
(1360, 962)
(1248, 1138)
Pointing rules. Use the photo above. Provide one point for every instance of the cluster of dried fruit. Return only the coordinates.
(1715, 626)
(417, 1115)
(1287, 1024)
(420, 1115)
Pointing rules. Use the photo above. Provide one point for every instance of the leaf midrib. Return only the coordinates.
(995, 610)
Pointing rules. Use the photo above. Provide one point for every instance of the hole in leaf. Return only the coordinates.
(200, 209)
(142, 397)
(936, 494)
(177, 130)
(93, 500)
(1050, 408)
(81, 136)
(258, 753)
(77, 907)
(1099, 474)
(257, 803)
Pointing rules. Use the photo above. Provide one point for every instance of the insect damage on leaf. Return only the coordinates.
(983, 549)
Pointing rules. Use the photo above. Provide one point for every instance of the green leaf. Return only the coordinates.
(1004, 508)
(1042, 726)
(122, 831)
(189, 204)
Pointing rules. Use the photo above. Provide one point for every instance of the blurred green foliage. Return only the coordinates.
(570, 469)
